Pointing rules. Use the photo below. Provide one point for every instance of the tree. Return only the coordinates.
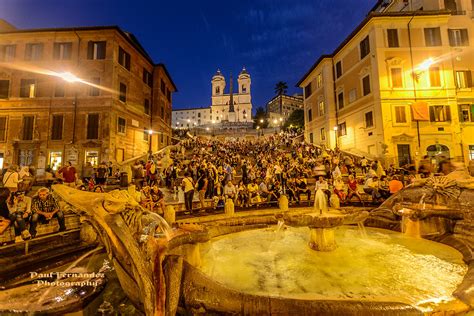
(296, 120)
(260, 114)
(281, 88)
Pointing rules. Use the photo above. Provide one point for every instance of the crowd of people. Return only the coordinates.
(248, 172)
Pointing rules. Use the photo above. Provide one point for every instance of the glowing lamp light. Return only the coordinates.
(261, 121)
(150, 132)
(335, 128)
(69, 77)
(275, 121)
(258, 127)
(207, 128)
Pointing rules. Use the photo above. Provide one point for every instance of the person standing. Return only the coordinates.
(11, 179)
(188, 188)
(68, 173)
(101, 174)
(202, 187)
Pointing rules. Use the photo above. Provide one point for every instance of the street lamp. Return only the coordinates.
(335, 135)
(150, 132)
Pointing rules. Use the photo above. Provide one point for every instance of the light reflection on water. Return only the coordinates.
(385, 265)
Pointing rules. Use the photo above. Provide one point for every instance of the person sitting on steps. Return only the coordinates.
(44, 207)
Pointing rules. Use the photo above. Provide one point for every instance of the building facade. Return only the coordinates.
(189, 118)
(86, 94)
(229, 108)
(400, 86)
(280, 108)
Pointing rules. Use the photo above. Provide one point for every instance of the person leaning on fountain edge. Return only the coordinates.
(44, 207)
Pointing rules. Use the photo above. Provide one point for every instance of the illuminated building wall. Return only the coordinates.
(392, 61)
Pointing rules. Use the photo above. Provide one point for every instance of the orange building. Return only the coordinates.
(82, 94)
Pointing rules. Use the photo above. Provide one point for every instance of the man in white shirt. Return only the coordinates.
(371, 187)
(322, 185)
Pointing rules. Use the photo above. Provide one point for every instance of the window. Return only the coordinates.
(433, 36)
(3, 128)
(435, 79)
(310, 138)
(463, 79)
(392, 38)
(319, 81)
(28, 125)
(369, 119)
(161, 138)
(94, 90)
(124, 58)
(218, 90)
(352, 95)
(34, 51)
(147, 78)
(471, 152)
(163, 87)
(466, 112)
(364, 47)
(308, 91)
(146, 106)
(458, 37)
(168, 95)
(7, 53)
(366, 85)
(340, 100)
(323, 134)
(4, 89)
(121, 123)
(440, 113)
(199, 114)
(396, 75)
(123, 92)
(338, 69)
(322, 108)
(59, 90)
(400, 114)
(96, 50)
(146, 134)
(341, 129)
(93, 126)
(62, 51)
(310, 115)
(57, 127)
(28, 88)
(244, 89)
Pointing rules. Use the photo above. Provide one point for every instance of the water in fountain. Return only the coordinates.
(386, 266)
(280, 226)
(362, 230)
(159, 222)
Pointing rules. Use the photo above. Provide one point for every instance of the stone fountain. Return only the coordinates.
(322, 225)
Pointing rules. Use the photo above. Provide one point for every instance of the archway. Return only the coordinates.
(438, 152)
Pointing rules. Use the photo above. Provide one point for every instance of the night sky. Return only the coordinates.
(276, 40)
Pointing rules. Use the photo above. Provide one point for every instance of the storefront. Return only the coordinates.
(92, 156)
(55, 160)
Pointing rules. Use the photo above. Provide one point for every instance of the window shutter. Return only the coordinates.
(448, 113)
(451, 38)
(432, 114)
(28, 50)
(56, 51)
(101, 50)
(469, 79)
(464, 37)
(90, 50)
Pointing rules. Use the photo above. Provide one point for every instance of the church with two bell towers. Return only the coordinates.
(234, 106)
(231, 107)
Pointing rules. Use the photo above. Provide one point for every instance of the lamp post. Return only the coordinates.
(258, 131)
(150, 152)
(335, 135)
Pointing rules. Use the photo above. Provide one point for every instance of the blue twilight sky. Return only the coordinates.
(276, 40)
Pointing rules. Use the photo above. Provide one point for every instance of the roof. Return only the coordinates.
(369, 17)
(192, 109)
(129, 37)
(167, 74)
(300, 98)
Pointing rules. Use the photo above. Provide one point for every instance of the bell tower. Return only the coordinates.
(218, 84)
